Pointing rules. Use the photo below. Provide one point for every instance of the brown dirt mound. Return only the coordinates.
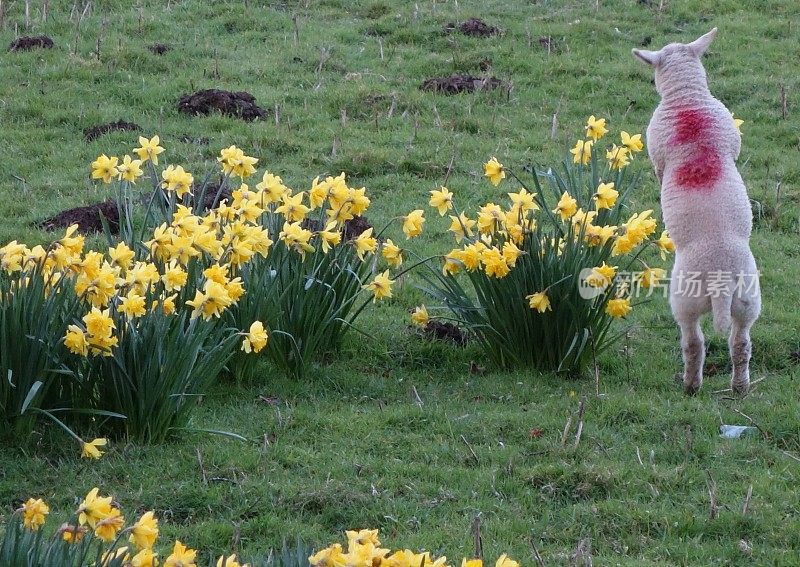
(447, 332)
(474, 27)
(87, 218)
(96, 131)
(26, 43)
(211, 194)
(455, 84)
(159, 48)
(238, 104)
(352, 228)
(355, 226)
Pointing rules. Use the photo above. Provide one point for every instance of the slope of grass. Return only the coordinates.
(353, 447)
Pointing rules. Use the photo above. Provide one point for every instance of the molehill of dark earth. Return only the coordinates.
(457, 83)
(446, 332)
(96, 131)
(26, 43)
(237, 104)
(87, 218)
(474, 27)
(352, 227)
(159, 48)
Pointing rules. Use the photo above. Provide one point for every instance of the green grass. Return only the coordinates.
(351, 447)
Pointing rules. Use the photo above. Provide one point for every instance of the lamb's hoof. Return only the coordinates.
(691, 388)
(741, 388)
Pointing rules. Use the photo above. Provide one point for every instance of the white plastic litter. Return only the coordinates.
(736, 431)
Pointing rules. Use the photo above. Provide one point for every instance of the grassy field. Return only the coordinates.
(354, 446)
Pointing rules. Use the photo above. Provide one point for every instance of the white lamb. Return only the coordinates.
(693, 143)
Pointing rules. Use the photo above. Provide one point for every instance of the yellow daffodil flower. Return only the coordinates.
(392, 253)
(618, 307)
(93, 508)
(293, 208)
(132, 305)
(105, 168)
(364, 243)
(34, 512)
(505, 561)
(494, 264)
(606, 196)
(330, 236)
(651, 276)
(567, 206)
(181, 556)
(177, 180)
(595, 128)
(490, 218)
(229, 561)
(412, 223)
(75, 341)
(618, 157)
(256, 339)
(145, 558)
(145, 531)
(380, 286)
(419, 316)
(149, 149)
(107, 528)
(461, 226)
(91, 450)
(493, 169)
(539, 301)
(632, 143)
(441, 200)
(130, 169)
(582, 152)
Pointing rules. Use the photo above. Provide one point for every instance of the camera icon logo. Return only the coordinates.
(591, 284)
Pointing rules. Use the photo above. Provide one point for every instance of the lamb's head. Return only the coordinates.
(678, 65)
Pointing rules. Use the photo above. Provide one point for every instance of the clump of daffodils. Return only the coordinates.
(97, 534)
(545, 259)
(364, 550)
(264, 236)
(199, 276)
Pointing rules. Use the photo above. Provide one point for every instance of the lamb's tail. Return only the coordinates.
(721, 310)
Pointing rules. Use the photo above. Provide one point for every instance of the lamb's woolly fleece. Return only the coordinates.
(693, 143)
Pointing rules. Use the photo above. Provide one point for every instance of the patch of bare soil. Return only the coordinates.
(446, 332)
(457, 83)
(87, 218)
(237, 104)
(355, 226)
(26, 43)
(96, 131)
(474, 27)
(159, 48)
(210, 198)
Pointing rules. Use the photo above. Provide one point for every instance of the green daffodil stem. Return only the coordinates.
(387, 225)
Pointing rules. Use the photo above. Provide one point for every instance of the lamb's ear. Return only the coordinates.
(649, 57)
(700, 45)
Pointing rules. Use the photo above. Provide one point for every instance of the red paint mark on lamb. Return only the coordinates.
(703, 168)
(701, 171)
(692, 125)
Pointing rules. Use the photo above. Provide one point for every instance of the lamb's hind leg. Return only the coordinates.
(694, 352)
(741, 348)
(744, 313)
